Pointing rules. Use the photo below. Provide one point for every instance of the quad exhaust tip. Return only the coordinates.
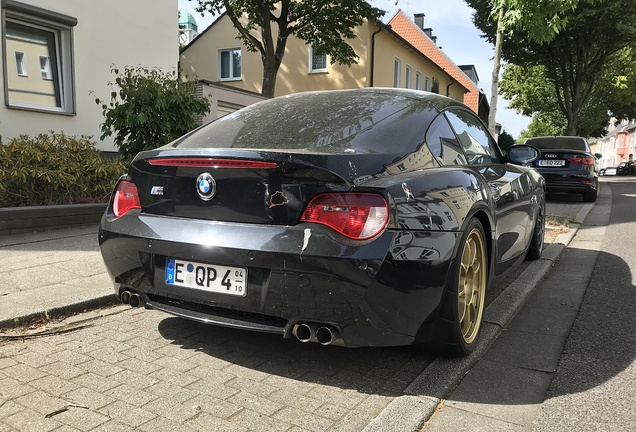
(323, 334)
(131, 298)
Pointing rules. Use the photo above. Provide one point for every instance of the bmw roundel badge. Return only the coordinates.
(206, 186)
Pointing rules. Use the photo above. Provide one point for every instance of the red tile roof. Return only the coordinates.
(414, 35)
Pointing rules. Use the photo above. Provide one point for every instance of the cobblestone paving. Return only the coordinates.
(148, 371)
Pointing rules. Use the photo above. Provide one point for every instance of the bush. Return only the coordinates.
(149, 108)
(55, 169)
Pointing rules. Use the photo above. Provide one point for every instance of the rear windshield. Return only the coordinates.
(323, 122)
(566, 143)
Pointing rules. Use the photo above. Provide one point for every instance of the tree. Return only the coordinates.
(505, 140)
(265, 25)
(619, 92)
(540, 20)
(544, 125)
(435, 86)
(532, 93)
(149, 108)
(577, 57)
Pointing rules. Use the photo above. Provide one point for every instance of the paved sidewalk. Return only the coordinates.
(51, 273)
(61, 272)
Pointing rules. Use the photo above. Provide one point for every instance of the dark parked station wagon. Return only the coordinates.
(568, 165)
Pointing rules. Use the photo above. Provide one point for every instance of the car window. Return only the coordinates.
(565, 143)
(477, 143)
(443, 143)
(362, 122)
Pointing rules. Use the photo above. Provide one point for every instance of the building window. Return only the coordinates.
(409, 77)
(20, 64)
(317, 61)
(230, 64)
(427, 85)
(37, 36)
(418, 80)
(45, 68)
(397, 73)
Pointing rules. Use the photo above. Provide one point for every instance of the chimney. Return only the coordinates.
(419, 20)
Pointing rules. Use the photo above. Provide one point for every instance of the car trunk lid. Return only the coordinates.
(243, 186)
(569, 159)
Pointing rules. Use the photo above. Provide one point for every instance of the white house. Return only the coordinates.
(56, 53)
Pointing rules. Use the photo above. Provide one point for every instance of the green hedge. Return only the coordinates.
(55, 168)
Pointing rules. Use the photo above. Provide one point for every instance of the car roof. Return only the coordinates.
(363, 120)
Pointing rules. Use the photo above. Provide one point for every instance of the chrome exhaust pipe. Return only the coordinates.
(327, 335)
(135, 300)
(305, 332)
(125, 297)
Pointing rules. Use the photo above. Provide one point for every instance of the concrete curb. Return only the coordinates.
(19, 220)
(61, 311)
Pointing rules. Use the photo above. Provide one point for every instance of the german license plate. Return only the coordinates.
(551, 162)
(207, 277)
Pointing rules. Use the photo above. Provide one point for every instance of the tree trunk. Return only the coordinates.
(572, 129)
(269, 80)
(494, 94)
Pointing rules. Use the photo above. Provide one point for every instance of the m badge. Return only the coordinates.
(156, 190)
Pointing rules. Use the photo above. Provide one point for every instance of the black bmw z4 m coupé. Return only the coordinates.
(369, 217)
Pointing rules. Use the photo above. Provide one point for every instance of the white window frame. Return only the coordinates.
(408, 77)
(233, 76)
(428, 84)
(418, 80)
(397, 73)
(313, 69)
(24, 16)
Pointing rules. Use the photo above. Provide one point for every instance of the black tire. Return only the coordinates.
(590, 196)
(459, 319)
(538, 234)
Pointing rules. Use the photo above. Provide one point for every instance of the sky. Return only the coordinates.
(451, 21)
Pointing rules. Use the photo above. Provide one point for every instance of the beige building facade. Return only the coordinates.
(57, 57)
(385, 60)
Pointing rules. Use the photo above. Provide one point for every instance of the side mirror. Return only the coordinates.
(598, 155)
(523, 154)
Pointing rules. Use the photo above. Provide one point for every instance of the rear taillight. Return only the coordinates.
(357, 216)
(581, 160)
(126, 198)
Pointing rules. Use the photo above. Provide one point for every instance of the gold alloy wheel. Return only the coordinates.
(472, 285)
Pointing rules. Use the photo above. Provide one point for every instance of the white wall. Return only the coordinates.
(120, 32)
(225, 99)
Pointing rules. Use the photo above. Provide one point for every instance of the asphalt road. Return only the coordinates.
(594, 388)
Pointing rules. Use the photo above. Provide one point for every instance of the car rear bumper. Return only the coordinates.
(296, 275)
(569, 183)
(569, 187)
